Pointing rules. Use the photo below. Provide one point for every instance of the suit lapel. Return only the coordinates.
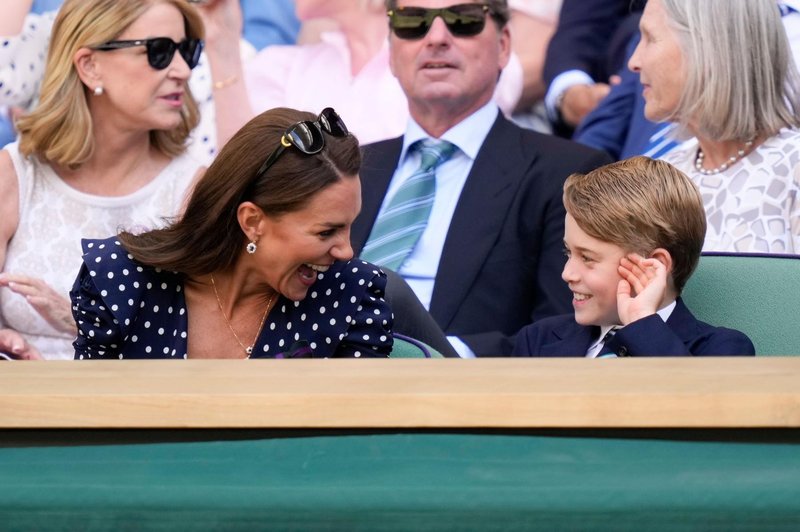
(480, 214)
(569, 340)
(379, 164)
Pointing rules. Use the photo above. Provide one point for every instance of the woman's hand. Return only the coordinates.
(222, 20)
(14, 345)
(641, 289)
(51, 305)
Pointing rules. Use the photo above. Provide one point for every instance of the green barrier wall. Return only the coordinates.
(404, 482)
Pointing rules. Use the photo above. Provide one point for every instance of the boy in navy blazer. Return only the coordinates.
(633, 234)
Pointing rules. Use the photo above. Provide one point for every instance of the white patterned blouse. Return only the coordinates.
(753, 206)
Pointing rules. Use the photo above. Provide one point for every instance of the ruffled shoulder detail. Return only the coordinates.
(110, 292)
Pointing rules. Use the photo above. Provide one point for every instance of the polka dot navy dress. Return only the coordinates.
(126, 310)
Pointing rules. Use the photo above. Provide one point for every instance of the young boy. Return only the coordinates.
(633, 234)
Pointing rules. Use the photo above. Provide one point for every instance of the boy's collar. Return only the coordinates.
(664, 313)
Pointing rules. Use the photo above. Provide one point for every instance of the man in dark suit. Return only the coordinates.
(618, 125)
(488, 259)
(587, 48)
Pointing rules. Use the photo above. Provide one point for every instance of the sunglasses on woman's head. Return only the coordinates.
(161, 50)
(307, 136)
(462, 20)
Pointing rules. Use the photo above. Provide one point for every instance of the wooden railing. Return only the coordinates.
(321, 394)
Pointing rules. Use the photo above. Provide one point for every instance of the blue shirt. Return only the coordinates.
(42, 6)
(268, 22)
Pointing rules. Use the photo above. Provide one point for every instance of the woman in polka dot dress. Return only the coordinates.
(260, 264)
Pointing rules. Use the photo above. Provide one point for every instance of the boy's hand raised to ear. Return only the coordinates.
(641, 289)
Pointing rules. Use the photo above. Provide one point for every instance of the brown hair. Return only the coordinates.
(60, 129)
(207, 237)
(498, 9)
(641, 204)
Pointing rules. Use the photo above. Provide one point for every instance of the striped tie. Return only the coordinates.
(605, 350)
(399, 226)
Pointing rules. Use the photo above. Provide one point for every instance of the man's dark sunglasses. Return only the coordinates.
(307, 136)
(161, 50)
(462, 20)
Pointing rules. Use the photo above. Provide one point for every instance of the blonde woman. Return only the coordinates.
(216, 83)
(104, 150)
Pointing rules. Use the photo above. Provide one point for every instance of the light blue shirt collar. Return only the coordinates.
(468, 135)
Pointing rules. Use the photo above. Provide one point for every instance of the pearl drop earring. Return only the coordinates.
(98, 90)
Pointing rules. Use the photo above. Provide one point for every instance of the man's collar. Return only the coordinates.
(468, 135)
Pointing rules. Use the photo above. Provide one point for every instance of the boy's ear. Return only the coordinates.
(86, 67)
(663, 256)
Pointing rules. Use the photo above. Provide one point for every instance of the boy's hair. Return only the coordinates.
(641, 204)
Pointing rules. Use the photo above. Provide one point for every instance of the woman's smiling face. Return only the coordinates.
(294, 247)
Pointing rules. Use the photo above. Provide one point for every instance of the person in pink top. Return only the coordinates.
(348, 69)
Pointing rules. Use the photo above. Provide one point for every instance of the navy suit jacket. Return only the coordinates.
(591, 36)
(502, 257)
(618, 125)
(681, 335)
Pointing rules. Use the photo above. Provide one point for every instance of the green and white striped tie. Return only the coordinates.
(399, 226)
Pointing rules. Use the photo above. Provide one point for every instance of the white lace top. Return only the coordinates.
(53, 217)
(753, 206)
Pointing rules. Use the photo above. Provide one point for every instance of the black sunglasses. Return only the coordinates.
(161, 50)
(307, 136)
(462, 20)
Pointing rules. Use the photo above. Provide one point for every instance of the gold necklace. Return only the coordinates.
(249, 349)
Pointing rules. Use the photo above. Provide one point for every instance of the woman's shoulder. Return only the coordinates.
(124, 284)
(109, 263)
(683, 155)
(786, 140)
(13, 159)
(344, 289)
(105, 252)
(352, 273)
(8, 170)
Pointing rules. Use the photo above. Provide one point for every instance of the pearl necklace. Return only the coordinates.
(698, 162)
(247, 349)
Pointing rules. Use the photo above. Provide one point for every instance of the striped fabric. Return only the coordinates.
(606, 351)
(399, 226)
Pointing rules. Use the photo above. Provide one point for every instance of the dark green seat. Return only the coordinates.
(407, 347)
(757, 294)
